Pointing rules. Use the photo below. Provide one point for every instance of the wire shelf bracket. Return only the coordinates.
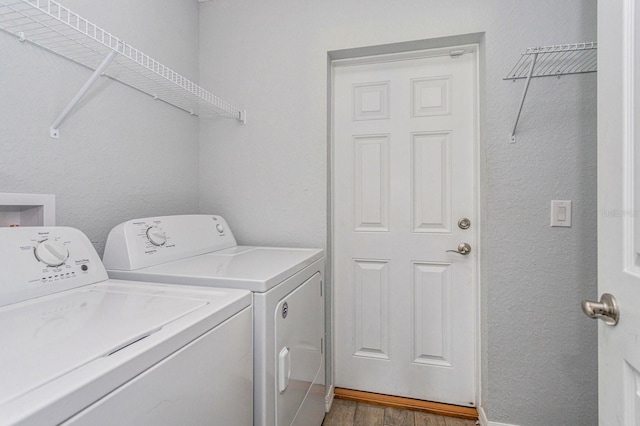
(552, 61)
(52, 26)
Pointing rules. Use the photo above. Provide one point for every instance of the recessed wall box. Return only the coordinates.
(27, 209)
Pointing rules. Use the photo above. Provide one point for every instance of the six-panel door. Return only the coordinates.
(403, 154)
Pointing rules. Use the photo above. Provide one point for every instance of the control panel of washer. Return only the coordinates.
(141, 243)
(35, 261)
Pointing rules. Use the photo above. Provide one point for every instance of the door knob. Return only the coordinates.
(606, 309)
(463, 249)
(464, 223)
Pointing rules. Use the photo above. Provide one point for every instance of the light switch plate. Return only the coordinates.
(561, 213)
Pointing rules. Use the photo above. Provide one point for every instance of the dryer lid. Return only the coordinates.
(257, 269)
(46, 338)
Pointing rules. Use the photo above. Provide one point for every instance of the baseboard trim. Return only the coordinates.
(482, 417)
(328, 399)
(407, 403)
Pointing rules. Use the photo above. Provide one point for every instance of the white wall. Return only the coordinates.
(269, 177)
(120, 154)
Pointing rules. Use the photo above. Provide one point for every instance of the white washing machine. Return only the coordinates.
(287, 301)
(81, 349)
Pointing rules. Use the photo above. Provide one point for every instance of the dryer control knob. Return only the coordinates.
(156, 236)
(220, 228)
(51, 253)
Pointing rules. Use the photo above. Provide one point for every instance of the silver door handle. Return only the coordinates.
(606, 309)
(463, 249)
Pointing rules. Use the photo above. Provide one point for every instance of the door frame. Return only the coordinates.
(394, 52)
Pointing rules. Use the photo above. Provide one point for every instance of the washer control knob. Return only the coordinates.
(51, 253)
(156, 236)
(220, 228)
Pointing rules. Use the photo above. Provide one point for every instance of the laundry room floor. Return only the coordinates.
(349, 413)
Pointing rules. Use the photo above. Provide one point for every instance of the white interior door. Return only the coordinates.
(619, 209)
(404, 147)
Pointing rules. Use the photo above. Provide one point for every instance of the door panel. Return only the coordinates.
(431, 182)
(372, 183)
(371, 308)
(432, 314)
(404, 144)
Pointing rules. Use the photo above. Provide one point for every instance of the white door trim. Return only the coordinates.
(477, 174)
(628, 136)
(403, 56)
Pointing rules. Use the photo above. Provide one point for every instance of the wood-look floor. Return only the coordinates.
(349, 413)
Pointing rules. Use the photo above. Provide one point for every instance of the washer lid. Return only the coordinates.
(65, 350)
(250, 268)
(43, 341)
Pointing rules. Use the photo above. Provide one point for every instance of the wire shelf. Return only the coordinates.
(56, 28)
(549, 61)
(557, 60)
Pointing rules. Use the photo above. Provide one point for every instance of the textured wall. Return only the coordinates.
(120, 154)
(268, 178)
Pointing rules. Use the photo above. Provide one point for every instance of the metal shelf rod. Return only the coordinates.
(54, 130)
(524, 95)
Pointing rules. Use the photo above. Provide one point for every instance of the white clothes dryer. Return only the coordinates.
(287, 301)
(81, 349)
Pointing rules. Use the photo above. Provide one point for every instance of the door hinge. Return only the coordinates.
(320, 288)
(321, 345)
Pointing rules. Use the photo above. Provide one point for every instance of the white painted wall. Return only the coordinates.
(120, 154)
(269, 177)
